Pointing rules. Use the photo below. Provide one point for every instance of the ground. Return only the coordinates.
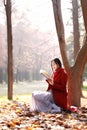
(15, 115)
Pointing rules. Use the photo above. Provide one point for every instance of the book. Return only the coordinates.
(45, 74)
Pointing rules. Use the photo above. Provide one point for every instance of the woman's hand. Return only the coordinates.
(50, 81)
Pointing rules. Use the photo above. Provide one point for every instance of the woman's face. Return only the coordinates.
(54, 66)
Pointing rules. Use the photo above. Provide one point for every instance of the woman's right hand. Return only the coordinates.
(50, 81)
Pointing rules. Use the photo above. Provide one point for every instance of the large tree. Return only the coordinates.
(7, 4)
(74, 72)
(76, 30)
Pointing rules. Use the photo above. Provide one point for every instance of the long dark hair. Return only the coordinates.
(57, 61)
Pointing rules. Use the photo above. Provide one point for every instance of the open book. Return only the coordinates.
(45, 74)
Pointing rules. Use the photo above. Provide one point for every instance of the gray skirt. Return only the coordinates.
(43, 102)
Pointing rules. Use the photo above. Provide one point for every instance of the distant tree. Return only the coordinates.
(7, 4)
(74, 72)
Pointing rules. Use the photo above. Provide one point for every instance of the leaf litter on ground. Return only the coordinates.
(15, 115)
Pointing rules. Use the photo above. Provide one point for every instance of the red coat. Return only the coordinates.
(59, 88)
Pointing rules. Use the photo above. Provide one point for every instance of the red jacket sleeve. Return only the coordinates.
(60, 80)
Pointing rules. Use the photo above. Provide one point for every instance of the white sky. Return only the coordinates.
(41, 13)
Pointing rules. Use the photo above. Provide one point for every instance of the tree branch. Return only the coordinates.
(84, 11)
(5, 2)
(81, 59)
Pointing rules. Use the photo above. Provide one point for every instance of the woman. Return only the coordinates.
(55, 97)
(58, 84)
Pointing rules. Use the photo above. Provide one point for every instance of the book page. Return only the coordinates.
(45, 74)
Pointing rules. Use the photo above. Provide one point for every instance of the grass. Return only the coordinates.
(24, 98)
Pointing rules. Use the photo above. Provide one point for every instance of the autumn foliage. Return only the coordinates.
(15, 115)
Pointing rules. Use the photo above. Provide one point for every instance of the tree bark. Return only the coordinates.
(84, 11)
(7, 4)
(76, 33)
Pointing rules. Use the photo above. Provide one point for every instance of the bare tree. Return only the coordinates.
(74, 72)
(7, 4)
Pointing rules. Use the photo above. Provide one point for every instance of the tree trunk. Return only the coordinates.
(76, 33)
(7, 4)
(84, 10)
(74, 85)
(75, 72)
